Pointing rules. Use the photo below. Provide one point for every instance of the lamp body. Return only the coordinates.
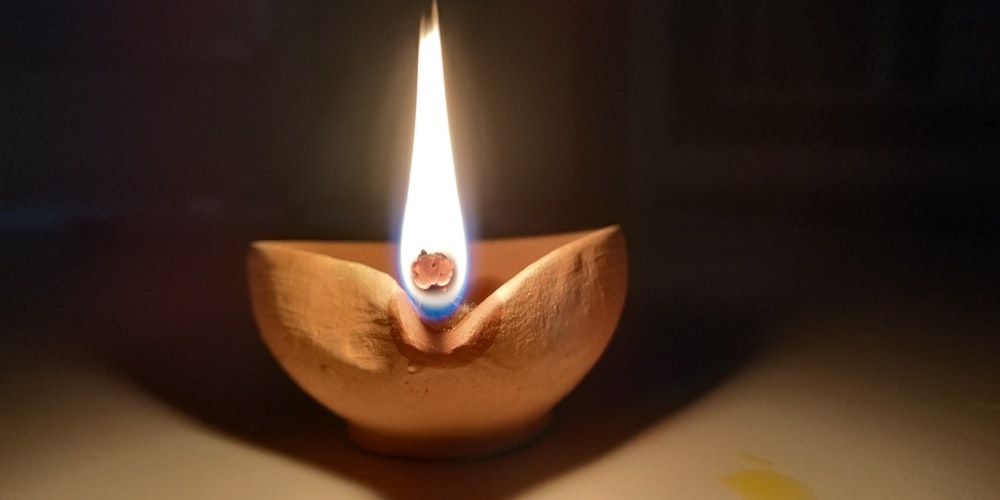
(341, 326)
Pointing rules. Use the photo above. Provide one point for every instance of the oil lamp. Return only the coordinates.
(426, 361)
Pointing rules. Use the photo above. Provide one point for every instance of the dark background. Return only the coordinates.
(764, 157)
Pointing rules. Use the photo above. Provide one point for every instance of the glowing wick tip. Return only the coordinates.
(432, 270)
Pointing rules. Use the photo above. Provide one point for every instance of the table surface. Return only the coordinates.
(872, 401)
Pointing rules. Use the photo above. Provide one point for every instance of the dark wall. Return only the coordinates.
(300, 114)
(751, 149)
(802, 146)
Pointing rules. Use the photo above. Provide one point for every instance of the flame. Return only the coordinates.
(432, 219)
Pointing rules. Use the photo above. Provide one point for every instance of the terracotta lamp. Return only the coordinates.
(431, 348)
(347, 333)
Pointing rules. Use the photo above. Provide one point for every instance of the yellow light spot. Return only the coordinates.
(760, 484)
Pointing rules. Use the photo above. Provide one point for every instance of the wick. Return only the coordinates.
(432, 270)
(450, 322)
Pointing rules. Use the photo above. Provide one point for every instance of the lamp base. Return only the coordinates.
(447, 447)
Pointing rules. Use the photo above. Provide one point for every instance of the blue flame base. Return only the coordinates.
(436, 313)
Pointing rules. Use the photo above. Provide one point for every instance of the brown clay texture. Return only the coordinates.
(336, 319)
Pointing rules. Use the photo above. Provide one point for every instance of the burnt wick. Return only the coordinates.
(432, 270)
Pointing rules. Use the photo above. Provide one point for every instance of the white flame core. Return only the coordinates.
(432, 219)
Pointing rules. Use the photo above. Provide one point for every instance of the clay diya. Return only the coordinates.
(335, 317)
